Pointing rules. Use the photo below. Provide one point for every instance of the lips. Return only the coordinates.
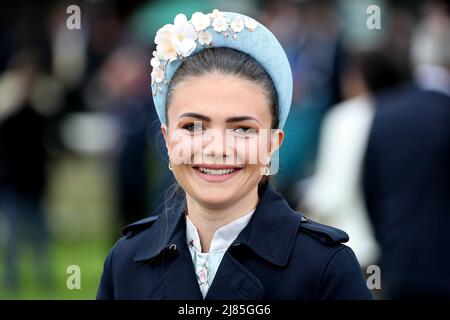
(216, 173)
(216, 166)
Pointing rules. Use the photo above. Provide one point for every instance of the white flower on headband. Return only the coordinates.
(163, 34)
(158, 74)
(200, 21)
(237, 24)
(216, 14)
(220, 24)
(183, 36)
(204, 38)
(155, 60)
(179, 40)
(164, 45)
(251, 24)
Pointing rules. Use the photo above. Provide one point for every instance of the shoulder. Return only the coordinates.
(120, 256)
(132, 237)
(138, 226)
(327, 235)
(331, 265)
(318, 242)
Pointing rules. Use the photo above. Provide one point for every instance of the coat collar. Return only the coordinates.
(270, 233)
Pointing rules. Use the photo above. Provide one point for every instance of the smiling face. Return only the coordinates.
(219, 137)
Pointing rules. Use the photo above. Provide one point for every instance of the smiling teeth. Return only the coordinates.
(216, 172)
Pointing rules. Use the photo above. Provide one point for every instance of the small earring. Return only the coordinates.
(170, 166)
(266, 171)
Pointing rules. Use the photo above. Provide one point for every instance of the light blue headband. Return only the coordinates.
(219, 29)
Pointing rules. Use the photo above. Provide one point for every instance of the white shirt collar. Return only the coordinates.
(223, 237)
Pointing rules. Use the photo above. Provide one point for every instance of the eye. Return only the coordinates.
(245, 131)
(193, 127)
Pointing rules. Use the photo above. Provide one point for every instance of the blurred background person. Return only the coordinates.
(310, 33)
(120, 89)
(23, 161)
(333, 193)
(406, 170)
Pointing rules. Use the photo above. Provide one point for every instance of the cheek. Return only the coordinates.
(182, 147)
(253, 150)
(247, 150)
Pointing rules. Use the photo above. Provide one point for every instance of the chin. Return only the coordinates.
(212, 198)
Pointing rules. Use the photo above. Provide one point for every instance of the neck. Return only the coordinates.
(208, 219)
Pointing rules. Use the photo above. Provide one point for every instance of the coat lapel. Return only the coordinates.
(179, 282)
(165, 244)
(234, 282)
(270, 234)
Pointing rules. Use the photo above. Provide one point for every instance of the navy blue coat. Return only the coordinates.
(279, 255)
(407, 191)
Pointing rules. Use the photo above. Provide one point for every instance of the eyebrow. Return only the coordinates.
(208, 119)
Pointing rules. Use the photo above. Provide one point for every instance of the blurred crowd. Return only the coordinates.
(367, 146)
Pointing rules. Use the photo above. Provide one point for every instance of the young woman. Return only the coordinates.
(222, 88)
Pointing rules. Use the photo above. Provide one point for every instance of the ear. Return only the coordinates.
(276, 140)
(165, 132)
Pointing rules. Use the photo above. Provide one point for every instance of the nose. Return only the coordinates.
(215, 144)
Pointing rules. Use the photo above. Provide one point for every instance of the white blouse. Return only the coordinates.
(207, 263)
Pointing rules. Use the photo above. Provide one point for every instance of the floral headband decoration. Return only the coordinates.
(174, 42)
(178, 40)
